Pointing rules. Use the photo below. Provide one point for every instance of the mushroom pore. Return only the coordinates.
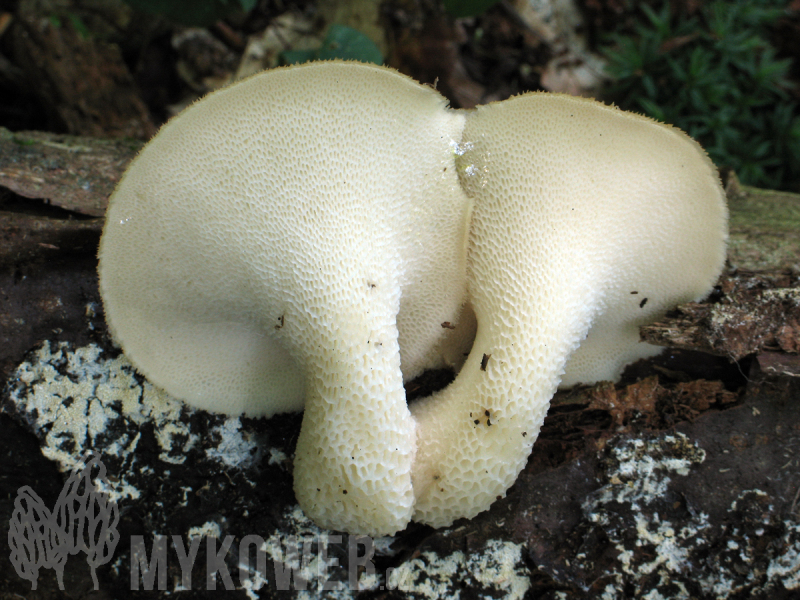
(310, 238)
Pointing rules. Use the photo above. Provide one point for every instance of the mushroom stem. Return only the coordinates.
(352, 467)
(619, 204)
(498, 402)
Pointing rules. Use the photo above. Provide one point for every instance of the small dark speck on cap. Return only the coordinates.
(642, 303)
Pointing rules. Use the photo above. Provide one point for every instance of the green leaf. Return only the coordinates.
(651, 109)
(661, 22)
(79, 26)
(650, 88)
(716, 76)
(341, 42)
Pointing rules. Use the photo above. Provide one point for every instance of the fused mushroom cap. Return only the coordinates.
(302, 236)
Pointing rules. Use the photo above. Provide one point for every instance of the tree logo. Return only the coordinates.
(83, 520)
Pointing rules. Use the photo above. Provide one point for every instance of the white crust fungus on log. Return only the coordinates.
(300, 239)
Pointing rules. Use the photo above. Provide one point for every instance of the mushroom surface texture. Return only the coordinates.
(314, 236)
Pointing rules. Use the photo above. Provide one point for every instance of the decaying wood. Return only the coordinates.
(26, 238)
(756, 306)
(750, 312)
(82, 82)
(764, 229)
(75, 173)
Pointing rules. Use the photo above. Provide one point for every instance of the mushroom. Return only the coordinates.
(315, 235)
(581, 211)
(280, 244)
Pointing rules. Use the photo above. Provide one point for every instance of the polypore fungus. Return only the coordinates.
(587, 219)
(309, 238)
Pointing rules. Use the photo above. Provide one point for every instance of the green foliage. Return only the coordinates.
(79, 26)
(340, 42)
(192, 12)
(716, 76)
(467, 8)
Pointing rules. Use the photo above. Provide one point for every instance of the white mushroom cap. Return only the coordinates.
(303, 238)
(287, 238)
(577, 205)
